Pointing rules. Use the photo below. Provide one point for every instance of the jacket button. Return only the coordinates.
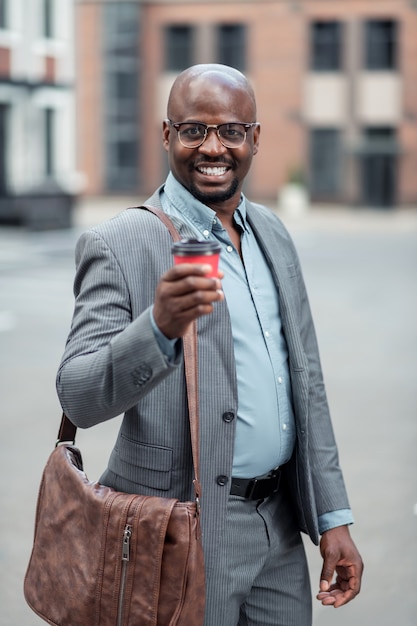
(228, 417)
(141, 375)
(222, 480)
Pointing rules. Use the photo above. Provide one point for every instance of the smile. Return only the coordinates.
(212, 171)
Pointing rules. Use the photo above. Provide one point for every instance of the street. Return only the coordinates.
(361, 273)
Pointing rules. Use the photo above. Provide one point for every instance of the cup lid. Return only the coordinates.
(195, 246)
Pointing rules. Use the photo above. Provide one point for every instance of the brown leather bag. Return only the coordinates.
(106, 558)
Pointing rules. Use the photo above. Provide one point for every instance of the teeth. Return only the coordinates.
(213, 171)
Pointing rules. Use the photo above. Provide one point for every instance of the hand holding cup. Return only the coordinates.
(190, 288)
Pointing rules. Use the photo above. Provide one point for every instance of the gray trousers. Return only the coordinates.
(261, 576)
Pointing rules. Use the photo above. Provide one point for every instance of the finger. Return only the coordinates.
(187, 269)
(187, 301)
(194, 304)
(339, 594)
(174, 313)
(197, 268)
(330, 562)
(326, 575)
(326, 598)
(177, 286)
(342, 599)
(347, 590)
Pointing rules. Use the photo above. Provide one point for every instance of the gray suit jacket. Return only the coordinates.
(112, 364)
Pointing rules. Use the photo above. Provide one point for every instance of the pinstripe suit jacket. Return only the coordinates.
(112, 365)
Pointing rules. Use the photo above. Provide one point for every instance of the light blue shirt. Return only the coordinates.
(265, 421)
(265, 429)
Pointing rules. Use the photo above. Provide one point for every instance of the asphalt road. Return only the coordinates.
(360, 269)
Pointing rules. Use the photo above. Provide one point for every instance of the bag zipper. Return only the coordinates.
(127, 533)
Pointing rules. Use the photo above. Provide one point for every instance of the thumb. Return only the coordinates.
(327, 572)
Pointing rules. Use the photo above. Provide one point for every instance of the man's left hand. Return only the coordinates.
(340, 556)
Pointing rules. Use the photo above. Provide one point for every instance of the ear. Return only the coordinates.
(166, 129)
(256, 133)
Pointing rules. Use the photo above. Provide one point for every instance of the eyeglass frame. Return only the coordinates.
(246, 125)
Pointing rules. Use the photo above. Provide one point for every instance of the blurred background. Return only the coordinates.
(83, 89)
(84, 83)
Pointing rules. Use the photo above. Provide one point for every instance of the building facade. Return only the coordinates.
(336, 85)
(37, 111)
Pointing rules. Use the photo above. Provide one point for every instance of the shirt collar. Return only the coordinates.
(194, 211)
(240, 215)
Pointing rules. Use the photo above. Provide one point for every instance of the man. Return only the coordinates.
(262, 399)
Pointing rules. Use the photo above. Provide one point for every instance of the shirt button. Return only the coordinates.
(228, 417)
(284, 427)
(229, 248)
(279, 379)
(267, 333)
(206, 233)
(222, 480)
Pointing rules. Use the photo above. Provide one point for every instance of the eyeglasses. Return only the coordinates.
(194, 134)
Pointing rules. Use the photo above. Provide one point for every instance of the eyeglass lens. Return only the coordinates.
(230, 135)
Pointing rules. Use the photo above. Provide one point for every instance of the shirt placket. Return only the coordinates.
(271, 331)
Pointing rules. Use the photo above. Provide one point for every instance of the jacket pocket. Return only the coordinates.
(142, 463)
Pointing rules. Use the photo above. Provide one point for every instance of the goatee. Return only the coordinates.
(215, 196)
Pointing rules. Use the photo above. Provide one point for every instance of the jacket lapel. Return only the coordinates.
(278, 250)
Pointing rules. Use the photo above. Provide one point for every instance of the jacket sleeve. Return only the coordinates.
(111, 360)
(313, 474)
(321, 453)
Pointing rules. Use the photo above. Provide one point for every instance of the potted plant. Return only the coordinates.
(293, 196)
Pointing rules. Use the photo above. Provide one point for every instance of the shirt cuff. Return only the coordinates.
(342, 517)
(167, 346)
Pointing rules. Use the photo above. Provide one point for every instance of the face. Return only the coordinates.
(212, 173)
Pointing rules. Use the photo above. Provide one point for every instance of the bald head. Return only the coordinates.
(215, 76)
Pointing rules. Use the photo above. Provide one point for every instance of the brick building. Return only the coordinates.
(336, 85)
(37, 111)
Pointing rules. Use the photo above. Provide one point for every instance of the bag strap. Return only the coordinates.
(67, 429)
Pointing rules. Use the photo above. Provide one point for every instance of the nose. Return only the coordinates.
(212, 143)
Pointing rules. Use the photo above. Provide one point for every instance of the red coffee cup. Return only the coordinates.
(196, 251)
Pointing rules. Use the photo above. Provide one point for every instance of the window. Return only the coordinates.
(3, 14)
(231, 41)
(379, 166)
(381, 44)
(125, 85)
(378, 134)
(178, 48)
(49, 117)
(325, 162)
(4, 113)
(126, 153)
(47, 19)
(326, 46)
(121, 128)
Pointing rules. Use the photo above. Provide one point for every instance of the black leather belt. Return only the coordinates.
(256, 488)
